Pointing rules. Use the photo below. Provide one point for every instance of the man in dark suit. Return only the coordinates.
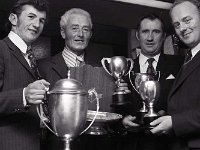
(183, 121)
(151, 35)
(19, 90)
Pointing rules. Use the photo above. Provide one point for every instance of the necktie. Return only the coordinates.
(150, 69)
(188, 56)
(32, 61)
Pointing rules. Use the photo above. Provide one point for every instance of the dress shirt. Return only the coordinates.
(23, 48)
(144, 63)
(71, 59)
(195, 50)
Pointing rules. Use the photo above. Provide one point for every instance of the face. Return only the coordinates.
(150, 36)
(186, 22)
(29, 24)
(77, 33)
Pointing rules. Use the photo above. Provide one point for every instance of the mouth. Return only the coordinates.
(186, 34)
(150, 44)
(33, 31)
(79, 40)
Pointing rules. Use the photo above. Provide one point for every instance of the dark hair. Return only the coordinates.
(40, 5)
(151, 17)
(177, 2)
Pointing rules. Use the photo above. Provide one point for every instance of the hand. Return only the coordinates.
(35, 92)
(122, 86)
(128, 122)
(163, 125)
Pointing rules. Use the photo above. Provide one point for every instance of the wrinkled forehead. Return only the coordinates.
(151, 24)
(79, 19)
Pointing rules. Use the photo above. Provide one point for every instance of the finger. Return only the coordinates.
(156, 122)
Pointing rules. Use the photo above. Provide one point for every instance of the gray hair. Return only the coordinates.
(67, 14)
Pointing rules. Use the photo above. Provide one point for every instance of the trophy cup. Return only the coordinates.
(149, 91)
(67, 108)
(138, 78)
(118, 67)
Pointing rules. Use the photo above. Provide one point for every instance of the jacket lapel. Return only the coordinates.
(185, 71)
(59, 65)
(19, 56)
(136, 66)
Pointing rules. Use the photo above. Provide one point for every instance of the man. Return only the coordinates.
(151, 35)
(76, 30)
(182, 123)
(19, 90)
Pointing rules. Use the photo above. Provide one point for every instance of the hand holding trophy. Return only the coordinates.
(118, 67)
(149, 91)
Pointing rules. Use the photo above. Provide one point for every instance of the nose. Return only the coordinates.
(183, 27)
(150, 37)
(36, 23)
(80, 32)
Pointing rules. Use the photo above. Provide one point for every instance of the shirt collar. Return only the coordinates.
(80, 57)
(143, 58)
(18, 41)
(195, 50)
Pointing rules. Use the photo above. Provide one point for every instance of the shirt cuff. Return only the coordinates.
(24, 100)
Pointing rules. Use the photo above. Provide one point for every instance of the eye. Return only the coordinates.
(176, 25)
(157, 31)
(31, 17)
(86, 29)
(187, 20)
(42, 21)
(145, 31)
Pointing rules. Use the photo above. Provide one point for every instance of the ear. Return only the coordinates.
(62, 32)
(137, 35)
(13, 19)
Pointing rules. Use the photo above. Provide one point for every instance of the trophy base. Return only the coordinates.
(98, 128)
(147, 121)
(140, 117)
(119, 98)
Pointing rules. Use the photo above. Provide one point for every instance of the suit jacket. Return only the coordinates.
(19, 127)
(90, 75)
(168, 65)
(184, 104)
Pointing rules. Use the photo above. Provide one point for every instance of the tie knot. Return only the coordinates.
(150, 61)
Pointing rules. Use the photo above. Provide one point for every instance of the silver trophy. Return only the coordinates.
(67, 108)
(138, 78)
(118, 67)
(149, 91)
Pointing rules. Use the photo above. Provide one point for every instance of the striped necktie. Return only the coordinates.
(32, 61)
(150, 68)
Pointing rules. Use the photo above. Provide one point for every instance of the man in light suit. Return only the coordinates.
(76, 30)
(183, 121)
(19, 90)
(151, 35)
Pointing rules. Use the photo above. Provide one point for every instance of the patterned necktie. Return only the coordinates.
(188, 56)
(150, 69)
(32, 61)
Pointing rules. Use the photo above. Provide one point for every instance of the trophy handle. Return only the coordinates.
(131, 67)
(91, 92)
(103, 64)
(40, 112)
(129, 75)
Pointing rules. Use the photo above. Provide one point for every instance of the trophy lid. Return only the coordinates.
(68, 86)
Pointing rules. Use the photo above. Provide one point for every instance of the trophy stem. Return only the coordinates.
(144, 108)
(66, 144)
(151, 112)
